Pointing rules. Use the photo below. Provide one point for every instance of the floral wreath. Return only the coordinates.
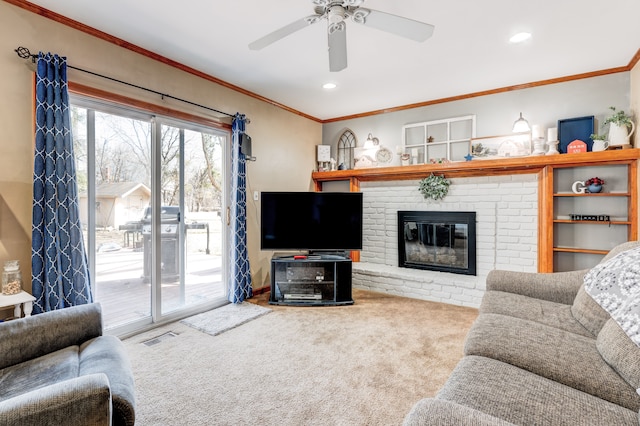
(434, 187)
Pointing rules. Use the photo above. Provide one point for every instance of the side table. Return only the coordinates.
(23, 298)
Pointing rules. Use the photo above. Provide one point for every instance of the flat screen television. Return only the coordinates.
(313, 221)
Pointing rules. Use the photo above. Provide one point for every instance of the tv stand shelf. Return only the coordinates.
(312, 281)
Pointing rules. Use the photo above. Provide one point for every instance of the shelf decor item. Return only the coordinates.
(11, 278)
(570, 129)
(504, 146)
(600, 142)
(619, 124)
(434, 187)
(594, 185)
(552, 147)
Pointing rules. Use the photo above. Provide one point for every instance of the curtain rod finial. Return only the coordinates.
(24, 53)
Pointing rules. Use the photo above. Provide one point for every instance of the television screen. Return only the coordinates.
(311, 221)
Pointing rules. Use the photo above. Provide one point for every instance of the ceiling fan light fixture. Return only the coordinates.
(329, 86)
(336, 13)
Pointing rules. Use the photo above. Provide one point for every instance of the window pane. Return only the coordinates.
(122, 192)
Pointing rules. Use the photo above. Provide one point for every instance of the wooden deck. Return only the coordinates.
(125, 294)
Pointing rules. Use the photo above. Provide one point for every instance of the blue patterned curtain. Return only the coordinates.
(58, 258)
(240, 274)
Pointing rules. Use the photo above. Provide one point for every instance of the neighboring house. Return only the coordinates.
(117, 203)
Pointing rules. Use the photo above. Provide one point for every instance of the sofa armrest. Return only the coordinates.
(80, 401)
(28, 338)
(107, 354)
(560, 287)
(431, 411)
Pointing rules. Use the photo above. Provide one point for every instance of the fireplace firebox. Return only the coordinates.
(437, 241)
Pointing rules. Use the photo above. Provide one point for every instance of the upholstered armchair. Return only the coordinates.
(57, 368)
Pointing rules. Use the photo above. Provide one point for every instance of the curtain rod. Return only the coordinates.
(24, 53)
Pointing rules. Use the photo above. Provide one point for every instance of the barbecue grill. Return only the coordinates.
(169, 228)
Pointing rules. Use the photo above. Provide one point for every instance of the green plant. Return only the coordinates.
(618, 117)
(434, 187)
(597, 137)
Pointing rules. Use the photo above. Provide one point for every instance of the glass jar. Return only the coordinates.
(11, 278)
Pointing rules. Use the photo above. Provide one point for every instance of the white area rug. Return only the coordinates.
(225, 318)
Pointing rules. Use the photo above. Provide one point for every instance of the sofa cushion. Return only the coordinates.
(518, 396)
(39, 372)
(615, 285)
(553, 314)
(588, 312)
(620, 352)
(549, 352)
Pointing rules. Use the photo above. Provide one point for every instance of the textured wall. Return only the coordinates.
(506, 230)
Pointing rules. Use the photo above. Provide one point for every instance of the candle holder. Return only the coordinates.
(539, 147)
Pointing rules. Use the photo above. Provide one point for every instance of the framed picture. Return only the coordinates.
(513, 145)
(571, 129)
(365, 157)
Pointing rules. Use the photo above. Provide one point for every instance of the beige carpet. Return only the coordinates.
(365, 364)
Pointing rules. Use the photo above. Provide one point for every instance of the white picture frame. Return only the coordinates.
(503, 146)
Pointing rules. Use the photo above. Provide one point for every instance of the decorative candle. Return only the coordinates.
(536, 131)
(552, 134)
(414, 152)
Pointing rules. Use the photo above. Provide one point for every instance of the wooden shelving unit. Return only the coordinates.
(546, 167)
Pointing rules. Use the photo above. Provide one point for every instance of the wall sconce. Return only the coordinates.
(371, 142)
(521, 125)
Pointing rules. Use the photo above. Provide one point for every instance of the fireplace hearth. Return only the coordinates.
(437, 241)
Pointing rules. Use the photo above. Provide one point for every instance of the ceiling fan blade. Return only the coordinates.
(283, 32)
(404, 27)
(337, 46)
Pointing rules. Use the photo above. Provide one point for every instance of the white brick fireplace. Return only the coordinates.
(506, 235)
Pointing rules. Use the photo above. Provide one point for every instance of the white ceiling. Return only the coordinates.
(469, 51)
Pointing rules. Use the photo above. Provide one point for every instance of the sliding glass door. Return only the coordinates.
(151, 201)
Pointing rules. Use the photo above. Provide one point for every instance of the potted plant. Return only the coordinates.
(619, 124)
(594, 184)
(600, 142)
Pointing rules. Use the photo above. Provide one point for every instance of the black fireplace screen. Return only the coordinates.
(438, 241)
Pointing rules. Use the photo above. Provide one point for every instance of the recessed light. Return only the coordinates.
(329, 86)
(520, 37)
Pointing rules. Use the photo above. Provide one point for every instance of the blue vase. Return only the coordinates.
(594, 189)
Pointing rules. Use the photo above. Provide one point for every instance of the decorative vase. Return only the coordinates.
(619, 135)
(594, 189)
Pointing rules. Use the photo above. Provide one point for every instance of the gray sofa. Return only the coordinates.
(541, 352)
(57, 368)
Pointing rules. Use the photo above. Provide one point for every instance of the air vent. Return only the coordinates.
(160, 339)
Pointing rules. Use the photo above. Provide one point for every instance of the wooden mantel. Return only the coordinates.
(504, 166)
(541, 165)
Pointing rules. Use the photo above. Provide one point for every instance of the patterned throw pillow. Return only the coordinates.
(615, 285)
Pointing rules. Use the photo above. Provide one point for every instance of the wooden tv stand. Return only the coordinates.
(313, 280)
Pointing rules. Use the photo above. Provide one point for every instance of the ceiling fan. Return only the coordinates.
(336, 12)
